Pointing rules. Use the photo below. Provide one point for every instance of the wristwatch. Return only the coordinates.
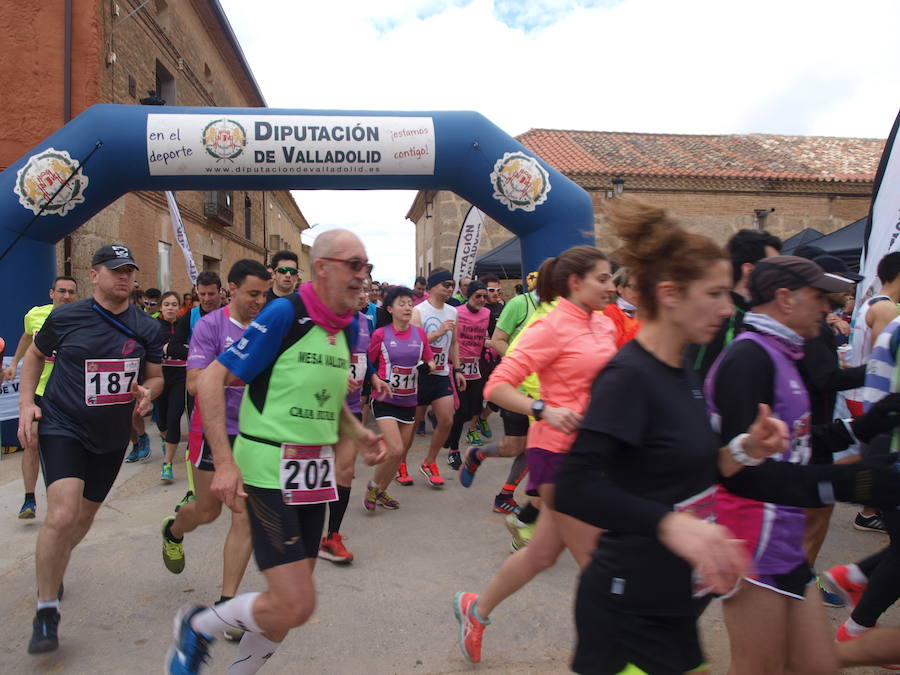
(537, 409)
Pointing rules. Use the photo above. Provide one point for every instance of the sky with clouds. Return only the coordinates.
(822, 67)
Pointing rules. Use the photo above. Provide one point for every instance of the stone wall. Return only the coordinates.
(718, 214)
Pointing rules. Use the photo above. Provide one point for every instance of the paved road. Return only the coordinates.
(388, 612)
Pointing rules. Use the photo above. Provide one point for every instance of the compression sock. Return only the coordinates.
(29, 495)
(336, 510)
(491, 449)
(253, 652)
(529, 514)
(234, 614)
(517, 472)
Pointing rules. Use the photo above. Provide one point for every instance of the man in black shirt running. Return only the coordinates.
(108, 361)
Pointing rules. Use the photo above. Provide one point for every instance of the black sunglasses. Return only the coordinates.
(286, 270)
(355, 264)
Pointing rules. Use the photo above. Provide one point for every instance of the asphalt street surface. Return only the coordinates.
(390, 611)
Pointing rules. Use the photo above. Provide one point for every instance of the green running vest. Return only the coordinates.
(297, 400)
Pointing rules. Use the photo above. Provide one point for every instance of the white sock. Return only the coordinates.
(856, 576)
(48, 604)
(854, 628)
(234, 614)
(253, 652)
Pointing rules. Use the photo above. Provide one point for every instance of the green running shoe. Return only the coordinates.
(473, 437)
(485, 428)
(165, 475)
(521, 532)
(187, 499)
(173, 551)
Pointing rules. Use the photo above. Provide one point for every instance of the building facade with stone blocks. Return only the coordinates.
(119, 51)
(713, 184)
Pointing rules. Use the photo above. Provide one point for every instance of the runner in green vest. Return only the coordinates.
(295, 360)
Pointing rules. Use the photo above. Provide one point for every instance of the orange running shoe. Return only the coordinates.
(332, 548)
(403, 476)
(838, 579)
(843, 635)
(430, 471)
(471, 626)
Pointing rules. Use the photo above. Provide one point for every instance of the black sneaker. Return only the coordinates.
(869, 523)
(454, 460)
(43, 635)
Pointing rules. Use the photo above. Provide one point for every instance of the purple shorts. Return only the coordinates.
(543, 465)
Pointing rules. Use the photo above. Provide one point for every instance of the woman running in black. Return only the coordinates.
(646, 461)
(171, 402)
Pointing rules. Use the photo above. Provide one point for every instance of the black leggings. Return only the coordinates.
(170, 407)
(470, 403)
(883, 571)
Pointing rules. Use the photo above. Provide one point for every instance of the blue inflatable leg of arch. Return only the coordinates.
(110, 150)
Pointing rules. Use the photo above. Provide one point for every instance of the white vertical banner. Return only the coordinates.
(467, 245)
(181, 237)
(9, 395)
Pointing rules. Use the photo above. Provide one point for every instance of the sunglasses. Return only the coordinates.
(286, 270)
(479, 296)
(150, 303)
(448, 284)
(493, 290)
(355, 264)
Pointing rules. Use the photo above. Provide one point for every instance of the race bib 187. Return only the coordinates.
(108, 381)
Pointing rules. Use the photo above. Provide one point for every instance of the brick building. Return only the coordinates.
(61, 57)
(715, 184)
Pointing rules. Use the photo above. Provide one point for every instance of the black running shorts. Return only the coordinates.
(282, 534)
(608, 639)
(205, 460)
(400, 413)
(514, 424)
(65, 457)
(433, 387)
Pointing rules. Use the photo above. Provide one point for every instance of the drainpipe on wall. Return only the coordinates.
(67, 114)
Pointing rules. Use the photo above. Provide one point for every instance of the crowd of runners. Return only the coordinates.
(679, 416)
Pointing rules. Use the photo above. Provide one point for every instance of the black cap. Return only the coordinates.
(833, 264)
(475, 286)
(791, 272)
(113, 256)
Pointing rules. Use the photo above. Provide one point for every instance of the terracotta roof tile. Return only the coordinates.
(766, 156)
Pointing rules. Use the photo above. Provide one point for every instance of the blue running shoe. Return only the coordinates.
(191, 650)
(829, 599)
(134, 455)
(143, 446)
(29, 508)
(469, 467)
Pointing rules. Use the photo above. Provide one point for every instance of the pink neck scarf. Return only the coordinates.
(320, 313)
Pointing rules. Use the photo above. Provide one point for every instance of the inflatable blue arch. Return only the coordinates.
(110, 150)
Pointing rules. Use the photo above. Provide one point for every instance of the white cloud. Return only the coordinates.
(821, 67)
